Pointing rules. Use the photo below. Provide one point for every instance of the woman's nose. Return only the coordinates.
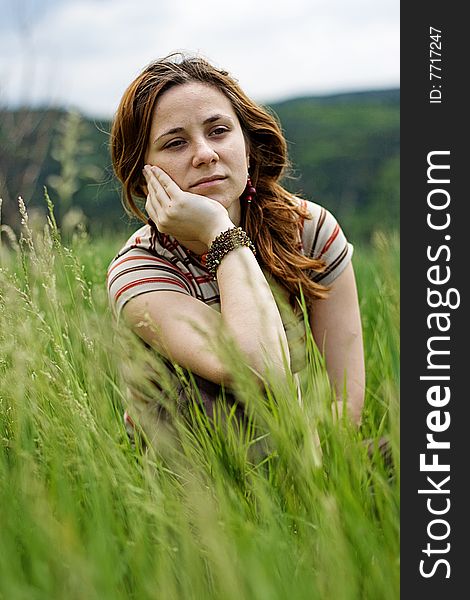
(204, 153)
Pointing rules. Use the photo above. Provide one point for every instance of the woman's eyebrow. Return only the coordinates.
(210, 119)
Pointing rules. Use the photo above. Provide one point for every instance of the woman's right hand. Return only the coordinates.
(183, 215)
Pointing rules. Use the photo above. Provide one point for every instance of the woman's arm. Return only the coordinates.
(166, 320)
(336, 328)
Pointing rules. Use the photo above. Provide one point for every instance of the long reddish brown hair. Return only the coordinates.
(273, 218)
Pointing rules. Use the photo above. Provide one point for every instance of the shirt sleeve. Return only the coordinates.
(323, 238)
(138, 271)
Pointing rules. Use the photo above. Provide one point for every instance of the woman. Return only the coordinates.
(205, 160)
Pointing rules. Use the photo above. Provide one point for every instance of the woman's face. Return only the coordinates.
(195, 135)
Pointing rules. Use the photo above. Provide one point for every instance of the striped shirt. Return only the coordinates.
(141, 267)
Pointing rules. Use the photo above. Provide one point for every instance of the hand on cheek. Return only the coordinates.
(184, 215)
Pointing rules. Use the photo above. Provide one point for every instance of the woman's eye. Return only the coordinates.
(174, 144)
(219, 130)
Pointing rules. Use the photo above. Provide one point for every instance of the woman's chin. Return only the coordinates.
(221, 199)
(231, 205)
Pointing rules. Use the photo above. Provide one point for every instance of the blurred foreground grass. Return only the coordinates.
(85, 515)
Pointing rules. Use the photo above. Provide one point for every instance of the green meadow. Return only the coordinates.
(231, 510)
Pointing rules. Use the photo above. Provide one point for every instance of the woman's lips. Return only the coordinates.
(206, 184)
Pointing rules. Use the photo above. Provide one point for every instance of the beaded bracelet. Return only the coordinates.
(224, 243)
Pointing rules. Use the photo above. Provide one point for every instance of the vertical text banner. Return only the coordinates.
(435, 367)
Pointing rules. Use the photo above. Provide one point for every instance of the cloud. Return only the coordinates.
(84, 52)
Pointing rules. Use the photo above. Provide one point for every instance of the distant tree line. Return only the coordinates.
(344, 151)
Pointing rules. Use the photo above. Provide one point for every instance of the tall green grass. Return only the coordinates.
(234, 510)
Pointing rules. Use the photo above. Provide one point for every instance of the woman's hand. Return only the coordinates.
(183, 215)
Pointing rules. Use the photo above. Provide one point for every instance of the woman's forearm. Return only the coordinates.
(250, 312)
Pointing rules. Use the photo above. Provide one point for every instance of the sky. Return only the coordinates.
(82, 54)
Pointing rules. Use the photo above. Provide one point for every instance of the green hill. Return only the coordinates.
(345, 154)
(344, 151)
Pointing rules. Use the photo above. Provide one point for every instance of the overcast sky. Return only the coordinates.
(84, 53)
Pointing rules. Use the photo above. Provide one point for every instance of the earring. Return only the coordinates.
(250, 190)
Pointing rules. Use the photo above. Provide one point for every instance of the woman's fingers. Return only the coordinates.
(157, 198)
(155, 188)
(161, 183)
(150, 210)
(162, 190)
(166, 182)
(153, 203)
